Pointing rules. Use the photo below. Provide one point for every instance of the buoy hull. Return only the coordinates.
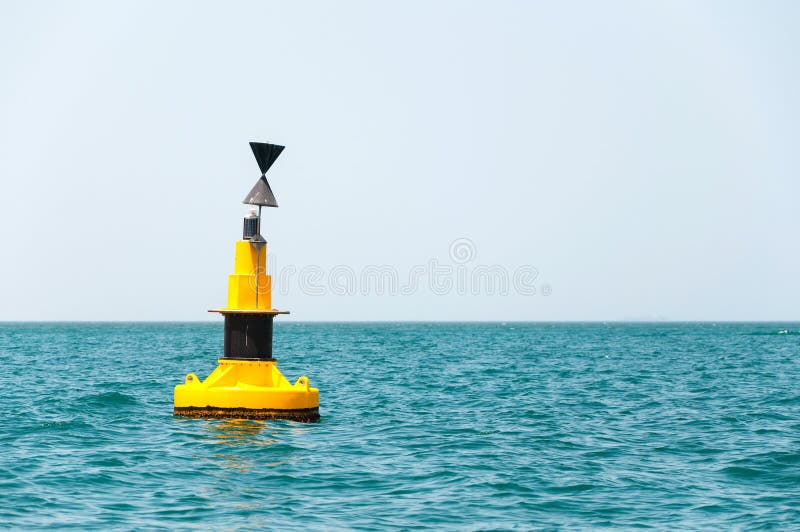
(247, 389)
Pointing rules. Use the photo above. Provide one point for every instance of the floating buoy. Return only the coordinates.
(247, 383)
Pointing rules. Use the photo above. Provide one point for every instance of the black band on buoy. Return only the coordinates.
(248, 336)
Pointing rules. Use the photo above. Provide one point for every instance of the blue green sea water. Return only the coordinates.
(475, 426)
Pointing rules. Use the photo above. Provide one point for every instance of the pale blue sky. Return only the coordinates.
(642, 156)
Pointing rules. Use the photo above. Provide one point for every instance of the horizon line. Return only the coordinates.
(6, 322)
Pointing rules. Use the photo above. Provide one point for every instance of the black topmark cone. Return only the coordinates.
(261, 193)
(265, 154)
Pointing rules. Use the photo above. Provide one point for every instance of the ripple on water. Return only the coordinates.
(107, 400)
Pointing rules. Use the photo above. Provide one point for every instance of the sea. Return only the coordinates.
(425, 426)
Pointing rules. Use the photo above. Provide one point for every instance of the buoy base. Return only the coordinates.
(308, 415)
(247, 389)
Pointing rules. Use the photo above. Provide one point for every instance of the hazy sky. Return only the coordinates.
(641, 156)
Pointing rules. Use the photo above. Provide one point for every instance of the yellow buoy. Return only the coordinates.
(247, 383)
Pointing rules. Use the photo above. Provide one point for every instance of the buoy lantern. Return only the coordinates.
(247, 384)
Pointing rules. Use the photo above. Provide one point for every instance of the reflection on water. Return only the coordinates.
(242, 464)
(254, 432)
(239, 431)
(272, 439)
